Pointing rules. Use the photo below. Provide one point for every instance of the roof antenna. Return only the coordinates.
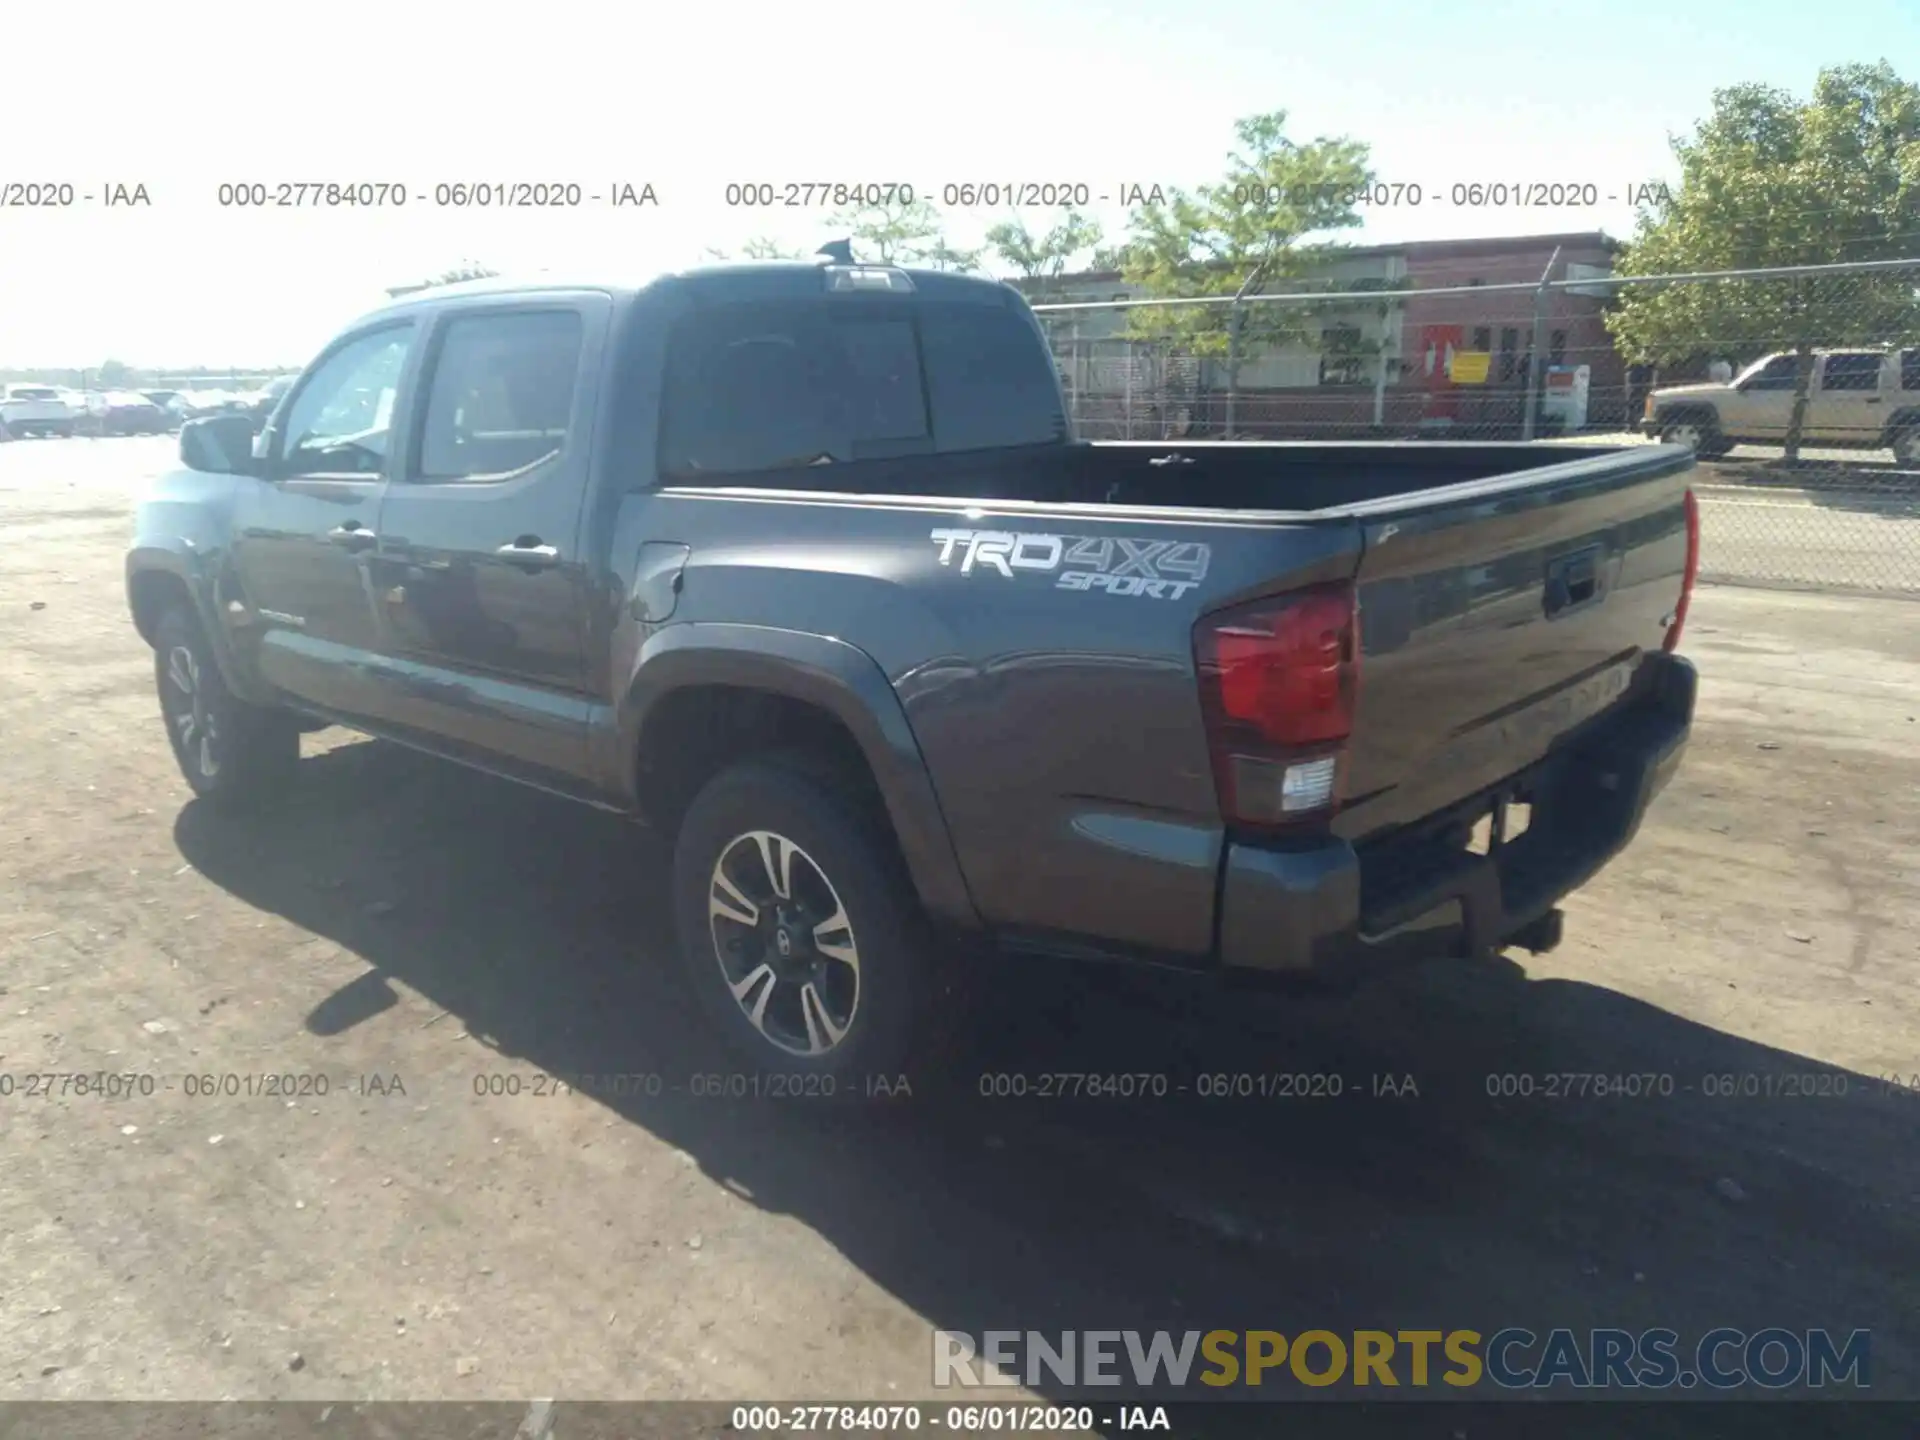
(840, 252)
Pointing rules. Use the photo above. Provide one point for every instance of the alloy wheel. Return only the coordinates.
(188, 713)
(784, 943)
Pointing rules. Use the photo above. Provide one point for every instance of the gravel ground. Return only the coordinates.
(424, 942)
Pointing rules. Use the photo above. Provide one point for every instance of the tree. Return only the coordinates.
(465, 270)
(1245, 235)
(1045, 257)
(760, 247)
(902, 232)
(1768, 180)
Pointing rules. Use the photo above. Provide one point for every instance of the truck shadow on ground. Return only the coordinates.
(543, 928)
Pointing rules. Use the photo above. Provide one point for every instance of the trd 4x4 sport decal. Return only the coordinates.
(1107, 564)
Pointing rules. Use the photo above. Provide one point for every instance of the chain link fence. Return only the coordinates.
(1750, 358)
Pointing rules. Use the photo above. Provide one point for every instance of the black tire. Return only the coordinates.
(232, 754)
(884, 1018)
(1905, 444)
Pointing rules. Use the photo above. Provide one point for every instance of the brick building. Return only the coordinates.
(1501, 324)
(1372, 372)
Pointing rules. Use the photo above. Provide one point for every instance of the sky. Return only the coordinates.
(690, 98)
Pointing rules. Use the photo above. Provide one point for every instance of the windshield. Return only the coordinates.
(34, 392)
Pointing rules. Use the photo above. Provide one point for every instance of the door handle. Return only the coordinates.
(530, 552)
(353, 537)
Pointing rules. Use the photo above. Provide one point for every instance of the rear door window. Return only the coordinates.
(767, 386)
(1851, 372)
(501, 396)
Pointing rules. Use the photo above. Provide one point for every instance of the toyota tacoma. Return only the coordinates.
(802, 564)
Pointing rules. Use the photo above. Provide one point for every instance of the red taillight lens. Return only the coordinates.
(1278, 681)
(1691, 573)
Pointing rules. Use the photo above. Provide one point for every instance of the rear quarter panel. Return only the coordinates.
(1060, 724)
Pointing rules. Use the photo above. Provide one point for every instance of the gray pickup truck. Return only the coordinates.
(802, 564)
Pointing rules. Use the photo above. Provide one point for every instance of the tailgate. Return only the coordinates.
(1497, 616)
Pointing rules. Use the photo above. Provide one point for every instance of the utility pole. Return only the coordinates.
(1233, 340)
(1539, 340)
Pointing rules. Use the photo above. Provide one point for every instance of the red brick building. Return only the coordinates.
(1404, 384)
(1501, 323)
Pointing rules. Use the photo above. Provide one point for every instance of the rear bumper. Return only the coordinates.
(1331, 907)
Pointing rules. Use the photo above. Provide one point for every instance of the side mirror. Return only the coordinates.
(219, 445)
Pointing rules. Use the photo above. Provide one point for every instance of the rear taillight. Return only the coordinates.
(1688, 576)
(1278, 682)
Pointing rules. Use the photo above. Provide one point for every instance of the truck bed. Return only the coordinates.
(1506, 595)
(1279, 476)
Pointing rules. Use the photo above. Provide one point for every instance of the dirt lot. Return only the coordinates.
(413, 924)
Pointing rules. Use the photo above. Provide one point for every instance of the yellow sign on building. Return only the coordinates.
(1471, 367)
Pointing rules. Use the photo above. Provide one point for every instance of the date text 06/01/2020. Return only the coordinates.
(482, 194)
(287, 1085)
(1468, 194)
(909, 1419)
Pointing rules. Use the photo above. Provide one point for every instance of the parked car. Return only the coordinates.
(1855, 399)
(180, 407)
(259, 403)
(198, 404)
(121, 412)
(801, 564)
(28, 409)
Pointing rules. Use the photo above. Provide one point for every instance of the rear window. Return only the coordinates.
(992, 378)
(765, 386)
(34, 392)
(1910, 369)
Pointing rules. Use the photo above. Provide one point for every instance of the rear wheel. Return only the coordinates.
(1906, 446)
(232, 754)
(797, 926)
